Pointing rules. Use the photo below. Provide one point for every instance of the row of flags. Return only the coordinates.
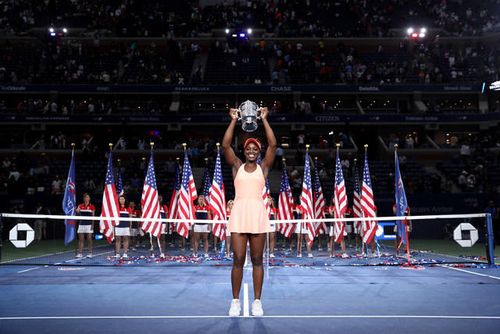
(181, 206)
(181, 202)
(312, 202)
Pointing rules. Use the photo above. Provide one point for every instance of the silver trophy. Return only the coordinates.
(248, 114)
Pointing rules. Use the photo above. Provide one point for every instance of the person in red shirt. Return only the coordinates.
(122, 231)
(202, 211)
(85, 227)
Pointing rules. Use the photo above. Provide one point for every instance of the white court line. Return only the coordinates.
(337, 316)
(471, 272)
(246, 312)
(44, 255)
(29, 269)
(83, 258)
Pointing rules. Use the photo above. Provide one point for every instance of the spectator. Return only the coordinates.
(56, 186)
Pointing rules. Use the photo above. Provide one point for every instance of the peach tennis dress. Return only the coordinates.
(249, 214)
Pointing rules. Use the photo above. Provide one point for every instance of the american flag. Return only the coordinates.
(206, 181)
(356, 206)
(109, 204)
(401, 202)
(174, 199)
(340, 200)
(217, 200)
(306, 201)
(319, 204)
(186, 197)
(69, 202)
(149, 202)
(368, 204)
(285, 204)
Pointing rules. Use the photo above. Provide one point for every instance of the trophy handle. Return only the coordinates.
(260, 112)
(238, 113)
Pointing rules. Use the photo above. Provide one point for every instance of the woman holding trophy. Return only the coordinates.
(249, 221)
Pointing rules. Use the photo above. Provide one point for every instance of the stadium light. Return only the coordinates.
(57, 31)
(249, 31)
(415, 33)
(227, 31)
(495, 86)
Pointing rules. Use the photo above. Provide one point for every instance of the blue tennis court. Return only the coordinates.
(299, 299)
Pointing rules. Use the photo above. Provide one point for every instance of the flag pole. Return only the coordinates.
(405, 221)
(184, 147)
(223, 241)
(110, 145)
(398, 242)
(110, 150)
(407, 241)
(151, 145)
(337, 207)
(355, 168)
(307, 154)
(179, 169)
(364, 246)
(76, 234)
(314, 205)
(283, 160)
(374, 237)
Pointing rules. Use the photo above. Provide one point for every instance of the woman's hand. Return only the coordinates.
(264, 112)
(233, 113)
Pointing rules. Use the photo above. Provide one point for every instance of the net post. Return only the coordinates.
(490, 253)
(1, 242)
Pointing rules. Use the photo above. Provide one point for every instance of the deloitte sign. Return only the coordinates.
(14, 234)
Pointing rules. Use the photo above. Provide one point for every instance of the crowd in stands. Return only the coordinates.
(297, 18)
(76, 62)
(252, 62)
(472, 169)
(423, 63)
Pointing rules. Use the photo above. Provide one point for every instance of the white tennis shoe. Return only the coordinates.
(235, 309)
(257, 310)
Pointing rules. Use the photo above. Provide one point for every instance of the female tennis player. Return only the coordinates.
(249, 221)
